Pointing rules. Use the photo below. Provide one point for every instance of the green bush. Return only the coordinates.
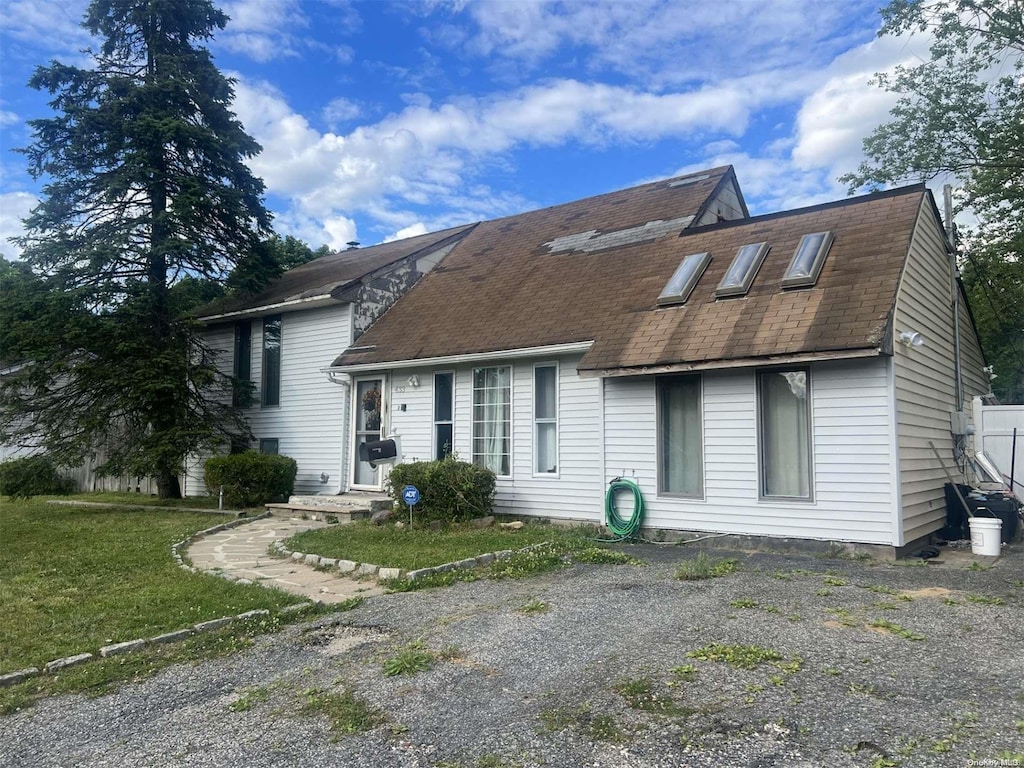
(450, 490)
(251, 479)
(32, 476)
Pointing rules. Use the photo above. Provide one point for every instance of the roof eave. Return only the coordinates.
(740, 362)
(289, 305)
(575, 347)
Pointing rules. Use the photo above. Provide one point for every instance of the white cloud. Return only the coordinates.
(14, 206)
(419, 228)
(52, 25)
(341, 110)
(8, 118)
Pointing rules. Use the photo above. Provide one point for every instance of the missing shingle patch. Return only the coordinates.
(593, 241)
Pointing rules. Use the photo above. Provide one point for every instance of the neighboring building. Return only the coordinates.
(282, 338)
(761, 376)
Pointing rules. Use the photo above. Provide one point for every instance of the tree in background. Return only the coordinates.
(961, 112)
(146, 185)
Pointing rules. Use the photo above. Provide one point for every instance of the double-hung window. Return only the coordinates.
(680, 436)
(784, 420)
(545, 419)
(492, 419)
(271, 390)
(444, 393)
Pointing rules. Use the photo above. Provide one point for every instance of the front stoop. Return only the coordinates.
(342, 508)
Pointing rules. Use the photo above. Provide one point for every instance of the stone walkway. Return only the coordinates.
(243, 552)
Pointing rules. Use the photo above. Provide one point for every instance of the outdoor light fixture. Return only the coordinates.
(911, 339)
(414, 380)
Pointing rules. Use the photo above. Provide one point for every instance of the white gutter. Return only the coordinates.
(473, 357)
(746, 362)
(324, 298)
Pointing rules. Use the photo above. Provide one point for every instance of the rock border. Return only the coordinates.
(352, 569)
(132, 646)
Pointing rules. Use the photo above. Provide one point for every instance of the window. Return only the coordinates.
(785, 433)
(680, 436)
(444, 394)
(268, 445)
(271, 394)
(742, 270)
(492, 419)
(545, 419)
(804, 268)
(243, 362)
(685, 278)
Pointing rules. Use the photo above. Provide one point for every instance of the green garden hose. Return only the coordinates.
(623, 529)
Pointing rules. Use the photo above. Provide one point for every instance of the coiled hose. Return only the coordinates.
(623, 529)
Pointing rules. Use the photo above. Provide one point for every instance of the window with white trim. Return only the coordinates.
(784, 437)
(680, 436)
(492, 419)
(545, 419)
(444, 410)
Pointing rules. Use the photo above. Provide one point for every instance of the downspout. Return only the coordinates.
(345, 381)
(959, 441)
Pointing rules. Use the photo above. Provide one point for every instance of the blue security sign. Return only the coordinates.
(411, 495)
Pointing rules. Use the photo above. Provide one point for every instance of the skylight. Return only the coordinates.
(742, 270)
(685, 278)
(806, 265)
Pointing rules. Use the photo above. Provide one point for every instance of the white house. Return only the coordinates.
(775, 376)
(281, 338)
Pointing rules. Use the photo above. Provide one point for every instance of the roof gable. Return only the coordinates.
(329, 275)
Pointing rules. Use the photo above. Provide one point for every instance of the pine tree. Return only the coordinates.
(145, 186)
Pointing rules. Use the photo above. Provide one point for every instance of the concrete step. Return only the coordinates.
(344, 507)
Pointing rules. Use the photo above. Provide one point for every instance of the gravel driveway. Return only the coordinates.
(599, 674)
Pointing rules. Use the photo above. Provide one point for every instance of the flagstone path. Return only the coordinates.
(243, 553)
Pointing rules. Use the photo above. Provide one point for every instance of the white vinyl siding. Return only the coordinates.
(854, 488)
(309, 422)
(924, 377)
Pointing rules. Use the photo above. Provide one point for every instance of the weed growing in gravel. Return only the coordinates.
(347, 712)
(604, 728)
(430, 581)
(844, 616)
(823, 592)
(704, 567)
(685, 671)
(534, 606)
(641, 694)
(409, 661)
(491, 760)
(560, 718)
(883, 589)
(895, 629)
(834, 581)
(601, 556)
(739, 656)
(885, 605)
(451, 653)
(978, 567)
(743, 602)
(250, 698)
(985, 600)
(542, 559)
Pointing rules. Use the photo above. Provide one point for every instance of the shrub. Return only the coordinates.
(450, 490)
(251, 479)
(32, 476)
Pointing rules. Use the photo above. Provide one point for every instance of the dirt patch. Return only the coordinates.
(927, 592)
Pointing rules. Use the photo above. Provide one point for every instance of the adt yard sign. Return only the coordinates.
(411, 495)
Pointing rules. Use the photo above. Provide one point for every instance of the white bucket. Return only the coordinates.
(985, 535)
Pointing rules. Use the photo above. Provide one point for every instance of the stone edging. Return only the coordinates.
(353, 569)
(130, 646)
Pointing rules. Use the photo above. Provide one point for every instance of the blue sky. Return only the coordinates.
(385, 119)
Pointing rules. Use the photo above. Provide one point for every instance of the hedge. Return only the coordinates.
(251, 479)
(450, 490)
(32, 476)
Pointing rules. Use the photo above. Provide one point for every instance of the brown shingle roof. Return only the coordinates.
(329, 275)
(501, 288)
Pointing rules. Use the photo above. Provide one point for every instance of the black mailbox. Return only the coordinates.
(380, 452)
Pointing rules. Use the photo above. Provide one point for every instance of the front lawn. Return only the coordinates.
(73, 579)
(420, 547)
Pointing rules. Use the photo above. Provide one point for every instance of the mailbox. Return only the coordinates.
(381, 452)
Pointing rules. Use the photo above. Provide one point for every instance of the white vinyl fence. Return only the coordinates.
(994, 425)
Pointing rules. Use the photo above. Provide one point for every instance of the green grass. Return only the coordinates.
(347, 712)
(705, 567)
(73, 579)
(408, 661)
(739, 656)
(419, 547)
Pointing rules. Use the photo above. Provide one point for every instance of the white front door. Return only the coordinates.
(368, 420)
